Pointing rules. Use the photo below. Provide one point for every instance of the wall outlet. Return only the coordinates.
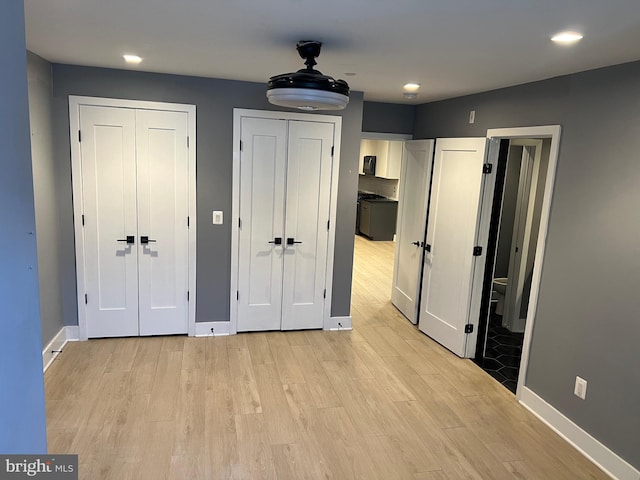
(472, 116)
(580, 389)
(217, 217)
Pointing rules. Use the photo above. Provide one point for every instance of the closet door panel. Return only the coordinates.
(262, 187)
(108, 162)
(163, 243)
(306, 223)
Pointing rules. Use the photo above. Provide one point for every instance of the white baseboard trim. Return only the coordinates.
(73, 333)
(55, 346)
(203, 329)
(338, 323)
(599, 454)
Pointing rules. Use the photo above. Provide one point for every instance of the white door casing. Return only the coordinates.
(451, 236)
(308, 196)
(110, 215)
(305, 305)
(163, 209)
(159, 180)
(262, 200)
(552, 132)
(417, 161)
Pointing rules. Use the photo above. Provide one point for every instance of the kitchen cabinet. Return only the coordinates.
(378, 218)
(388, 155)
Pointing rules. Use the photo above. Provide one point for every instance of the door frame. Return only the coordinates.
(76, 177)
(238, 114)
(539, 132)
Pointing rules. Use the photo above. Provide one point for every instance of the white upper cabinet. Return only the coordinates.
(388, 156)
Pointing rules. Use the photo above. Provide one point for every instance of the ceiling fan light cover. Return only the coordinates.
(308, 89)
(307, 99)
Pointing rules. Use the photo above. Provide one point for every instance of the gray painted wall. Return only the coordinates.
(387, 117)
(44, 186)
(215, 100)
(587, 320)
(22, 412)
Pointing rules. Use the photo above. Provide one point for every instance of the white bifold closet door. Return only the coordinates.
(285, 189)
(135, 204)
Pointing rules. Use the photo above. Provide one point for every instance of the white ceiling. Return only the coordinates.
(450, 47)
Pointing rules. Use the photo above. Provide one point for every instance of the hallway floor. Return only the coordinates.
(380, 402)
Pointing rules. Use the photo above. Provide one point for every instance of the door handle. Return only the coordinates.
(276, 241)
(427, 247)
(417, 244)
(130, 239)
(145, 240)
(291, 241)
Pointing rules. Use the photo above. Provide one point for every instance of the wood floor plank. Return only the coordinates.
(315, 378)
(279, 422)
(123, 357)
(254, 450)
(473, 450)
(217, 361)
(259, 348)
(166, 385)
(243, 382)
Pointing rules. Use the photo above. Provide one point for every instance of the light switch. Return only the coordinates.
(217, 217)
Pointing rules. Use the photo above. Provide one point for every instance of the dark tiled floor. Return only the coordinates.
(502, 354)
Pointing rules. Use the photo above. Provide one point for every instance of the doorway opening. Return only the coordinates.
(377, 209)
(517, 216)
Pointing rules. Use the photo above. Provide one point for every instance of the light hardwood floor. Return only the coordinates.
(380, 402)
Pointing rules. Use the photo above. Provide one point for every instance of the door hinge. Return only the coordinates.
(240, 145)
(187, 141)
(477, 251)
(238, 295)
(86, 298)
(332, 150)
(468, 328)
(79, 136)
(83, 219)
(187, 295)
(239, 223)
(328, 224)
(324, 295)
(487, 168)
(188, 222)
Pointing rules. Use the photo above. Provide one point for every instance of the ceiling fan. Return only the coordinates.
(308, 89)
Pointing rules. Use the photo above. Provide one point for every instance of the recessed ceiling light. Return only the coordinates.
(410, 96)
(567, 38)
(412, 87)
(132, 58)
(350, 74)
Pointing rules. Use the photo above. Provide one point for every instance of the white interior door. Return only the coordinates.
(451, 234)
(306, 224)
(134, 185)
(262, 201)
(107, 152)
(163, 209)
(412, 216)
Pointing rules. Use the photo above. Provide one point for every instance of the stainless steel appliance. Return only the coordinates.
(369, 165)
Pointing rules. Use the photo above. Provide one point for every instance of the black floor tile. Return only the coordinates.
(502, 353)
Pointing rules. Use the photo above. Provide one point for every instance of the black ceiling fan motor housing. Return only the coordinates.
(309, 77)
